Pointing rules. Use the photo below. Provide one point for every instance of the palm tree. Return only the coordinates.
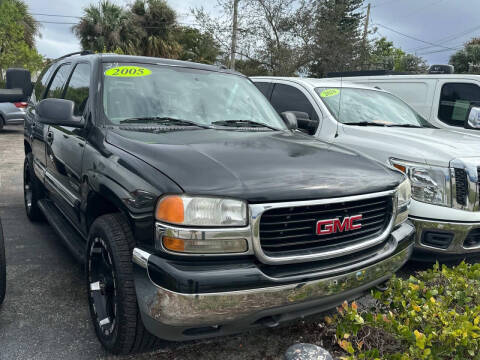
(102, 28)
(31, 27)
(154, 24)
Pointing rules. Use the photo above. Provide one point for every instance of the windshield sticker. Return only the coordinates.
(329, 92)
(128, 71)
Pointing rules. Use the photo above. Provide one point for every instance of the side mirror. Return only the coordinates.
(305, 123)
(473, 118)
(290, 120)
(58, 112)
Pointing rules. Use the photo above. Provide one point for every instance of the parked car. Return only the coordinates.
(442, 99)
(3, 267)
(443, 166)
(13, 98)
(234, 220)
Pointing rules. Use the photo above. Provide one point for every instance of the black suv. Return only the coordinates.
(198, 210)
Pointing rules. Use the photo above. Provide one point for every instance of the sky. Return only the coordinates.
(433, 29)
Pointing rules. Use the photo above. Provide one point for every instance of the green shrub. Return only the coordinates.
(435, 315)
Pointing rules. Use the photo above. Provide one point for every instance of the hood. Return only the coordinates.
(256, 166)
(432, 146)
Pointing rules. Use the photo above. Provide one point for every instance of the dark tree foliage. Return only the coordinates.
(467, 60)
(336, 36)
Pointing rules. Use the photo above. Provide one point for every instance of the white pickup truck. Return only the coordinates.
(443, 99)
(443, 166)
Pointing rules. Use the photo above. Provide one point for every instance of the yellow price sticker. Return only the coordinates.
(329, 92)
(128, 71)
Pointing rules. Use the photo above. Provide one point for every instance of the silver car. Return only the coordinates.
(12, 113)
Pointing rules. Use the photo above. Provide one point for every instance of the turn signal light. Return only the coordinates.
(400, 167)
(174, 244)
(170, 209)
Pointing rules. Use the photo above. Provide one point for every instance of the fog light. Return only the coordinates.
(204, 246)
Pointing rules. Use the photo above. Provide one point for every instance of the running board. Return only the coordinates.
(67, 232)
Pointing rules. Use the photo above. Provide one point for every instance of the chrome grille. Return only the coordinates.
(290, 230)
(461, 186)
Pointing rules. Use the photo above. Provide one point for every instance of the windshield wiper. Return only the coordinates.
(165, 120)
(365, 123)
(406, 126)
(243, 123)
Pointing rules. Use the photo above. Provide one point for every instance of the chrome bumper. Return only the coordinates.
(214, 309)
(459, 231)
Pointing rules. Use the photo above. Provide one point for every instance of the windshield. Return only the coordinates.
(136, 93)
(364, 106)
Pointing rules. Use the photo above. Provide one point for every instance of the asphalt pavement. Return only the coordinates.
(45, 314)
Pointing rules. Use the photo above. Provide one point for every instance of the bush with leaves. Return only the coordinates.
(434, 315)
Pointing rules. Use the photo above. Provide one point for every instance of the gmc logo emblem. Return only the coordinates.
(331, 226)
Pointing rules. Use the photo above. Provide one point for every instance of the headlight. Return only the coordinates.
(403, 201)
(197, 213)
(430, 184)
(201, 211)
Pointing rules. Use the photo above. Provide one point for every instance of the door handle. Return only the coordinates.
(50, 137)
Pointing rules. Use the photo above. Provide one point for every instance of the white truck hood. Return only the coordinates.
(431, 146)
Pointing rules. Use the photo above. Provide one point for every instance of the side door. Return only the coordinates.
(290, 98)
(65, 148)
(37, 131)
(453, 99)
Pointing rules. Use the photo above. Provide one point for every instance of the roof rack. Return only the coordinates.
(83, 52)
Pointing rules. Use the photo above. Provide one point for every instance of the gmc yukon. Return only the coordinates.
(198, 210)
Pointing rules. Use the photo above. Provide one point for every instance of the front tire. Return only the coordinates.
(111, 289)
(32, 190)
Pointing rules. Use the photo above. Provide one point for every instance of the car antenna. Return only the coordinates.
(339, 106)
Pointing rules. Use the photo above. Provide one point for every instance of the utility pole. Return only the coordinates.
(365, 33)
(234, 34)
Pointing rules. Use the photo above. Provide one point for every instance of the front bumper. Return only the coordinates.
(459, 239)
(208, 307)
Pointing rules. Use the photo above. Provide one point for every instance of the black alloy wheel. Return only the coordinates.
(32, 191)
(103, 286)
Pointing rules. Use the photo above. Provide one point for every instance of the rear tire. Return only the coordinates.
(3, 267)
(111, 289)
(2, 123)
(32, 190)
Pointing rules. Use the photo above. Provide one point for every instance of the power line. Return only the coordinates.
(55, 15)
(56, 22)
(449, 38)
(413, 38)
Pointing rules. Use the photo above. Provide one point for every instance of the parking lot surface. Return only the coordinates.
(45, 314)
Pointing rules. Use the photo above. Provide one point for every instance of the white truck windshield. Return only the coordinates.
(362, 106)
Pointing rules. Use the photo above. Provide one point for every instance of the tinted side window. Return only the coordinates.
(78, 86)
(265, 88)
(58, 83)
(288, 98)
(455, 100)
(41, 84)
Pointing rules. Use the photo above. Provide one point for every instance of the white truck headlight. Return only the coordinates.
(403, 201)
(201, 211)
(430, 184)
